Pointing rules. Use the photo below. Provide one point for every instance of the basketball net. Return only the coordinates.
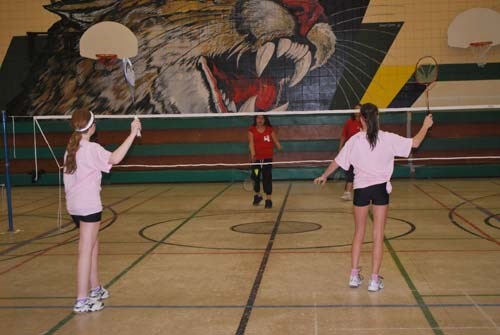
(479, 51)
(105, 63)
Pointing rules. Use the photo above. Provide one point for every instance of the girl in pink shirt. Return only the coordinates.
(372, 153)
(84, 162)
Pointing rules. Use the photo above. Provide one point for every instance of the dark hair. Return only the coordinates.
(369, 112)
(267, 123)
(78, 120)
(353, 115)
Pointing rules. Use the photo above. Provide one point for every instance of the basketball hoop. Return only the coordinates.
(105, 62)
(479, 51)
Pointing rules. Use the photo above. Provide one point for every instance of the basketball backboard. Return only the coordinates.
(474, 25)
(109, 38)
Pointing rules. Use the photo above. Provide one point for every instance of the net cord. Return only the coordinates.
(271, 113)
(325, 161)
(48, 145)
(60, 170)
(13, 117)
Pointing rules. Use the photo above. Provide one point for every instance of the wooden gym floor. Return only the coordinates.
(200, 259)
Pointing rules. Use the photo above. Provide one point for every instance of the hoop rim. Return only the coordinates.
(480, 44)
(106, 56)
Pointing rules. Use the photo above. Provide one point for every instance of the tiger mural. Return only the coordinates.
(195, 56)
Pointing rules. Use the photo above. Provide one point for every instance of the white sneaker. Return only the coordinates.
(88, 305)
(355, 281)
(99, 293)
(346, 196)
(376, 285)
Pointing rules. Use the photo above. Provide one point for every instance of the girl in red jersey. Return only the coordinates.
(261, 141)
(351, 128)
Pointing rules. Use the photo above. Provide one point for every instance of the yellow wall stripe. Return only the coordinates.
(386, 84)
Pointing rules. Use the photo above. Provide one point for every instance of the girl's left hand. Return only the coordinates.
(135, 127)
(320, 181)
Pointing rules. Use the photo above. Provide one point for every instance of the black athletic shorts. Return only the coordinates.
(375, 194)
(96, 217)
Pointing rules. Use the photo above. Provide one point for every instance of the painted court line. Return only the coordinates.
(29, 241)
(482, 209)
(483, 313)
(26, 242)
(263, 251)
(413, 288)
(258, 279)
(71, 315)
(74, 237)
(42, 235)
(459, 293)
(305, 306)
(32, 257)
(484, 234)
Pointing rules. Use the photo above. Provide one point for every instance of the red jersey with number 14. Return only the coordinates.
(262, 142)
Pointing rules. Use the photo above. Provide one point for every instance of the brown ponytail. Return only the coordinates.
(79, 120)
(370, 115)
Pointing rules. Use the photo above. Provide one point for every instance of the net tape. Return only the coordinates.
(276, 113)
(310, 161)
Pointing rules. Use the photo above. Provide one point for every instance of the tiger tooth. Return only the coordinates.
(281, 108)
(297, 51)
(206, 69)
(264, 55)
(284, 45)
(232, 107)
(289, 52)
(238, 59)
(302, 52)
(301, 68)
(248, 106)
(293, 51)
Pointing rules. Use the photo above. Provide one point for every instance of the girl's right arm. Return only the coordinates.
(117, 155)
(329, 170)
(342, 141)
(343, 136)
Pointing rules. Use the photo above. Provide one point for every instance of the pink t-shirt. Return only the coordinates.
(83, 187)
(372, 167)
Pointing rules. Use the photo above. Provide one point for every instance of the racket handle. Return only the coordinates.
(139, 132)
